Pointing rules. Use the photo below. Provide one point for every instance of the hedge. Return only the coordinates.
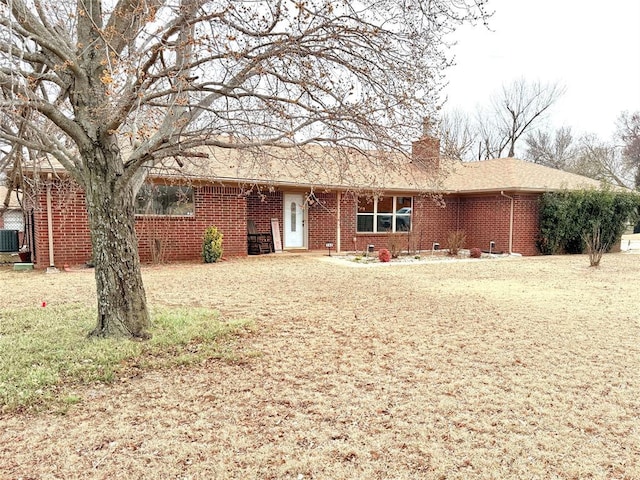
(567, 216)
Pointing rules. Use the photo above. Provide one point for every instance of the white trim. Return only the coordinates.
(286, 221)
(393, 214)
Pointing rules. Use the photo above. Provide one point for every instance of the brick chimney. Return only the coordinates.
(425, 152)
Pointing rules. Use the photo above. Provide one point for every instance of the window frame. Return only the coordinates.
(375, 215)
(167, 210)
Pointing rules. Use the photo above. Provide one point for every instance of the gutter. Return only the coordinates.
(510, 223)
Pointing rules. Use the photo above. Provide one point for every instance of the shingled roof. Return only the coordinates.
(323, 168)
(512, 174)
(348, 169)
(310, 166)
(13, 199)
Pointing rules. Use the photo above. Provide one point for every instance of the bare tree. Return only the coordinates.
(556, 150)
(81, 80)
(628, 131)
(600, 160)
(514, 111)
(457, 136)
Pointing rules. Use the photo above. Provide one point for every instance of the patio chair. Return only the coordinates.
(258, 242)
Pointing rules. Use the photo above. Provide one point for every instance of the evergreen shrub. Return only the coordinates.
(211, 245)
(567, 218)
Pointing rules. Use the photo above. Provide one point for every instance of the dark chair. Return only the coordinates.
(258, 242)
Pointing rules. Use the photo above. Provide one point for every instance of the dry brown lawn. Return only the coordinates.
(491, 369)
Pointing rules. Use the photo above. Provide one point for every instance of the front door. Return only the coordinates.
(293, 220)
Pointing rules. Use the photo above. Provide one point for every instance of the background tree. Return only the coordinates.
(628, 131)
(556, 150)
(514, 111)
(600, 160)
(111, 88)
(457, 136)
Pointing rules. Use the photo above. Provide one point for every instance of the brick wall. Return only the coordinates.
(526, 224)
(486, 218)
(165, 238)
(262, 207)
(322, 216)
(425, 152)
(71, 239)
(433, 219)
(180, 238)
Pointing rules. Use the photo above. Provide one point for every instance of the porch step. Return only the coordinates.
(23, 266)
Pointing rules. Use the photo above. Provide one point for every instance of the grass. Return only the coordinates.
(506, 368)
(46, 352)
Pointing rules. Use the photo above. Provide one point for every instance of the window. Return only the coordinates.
(384, 214)
(293, 216)
(165, 200)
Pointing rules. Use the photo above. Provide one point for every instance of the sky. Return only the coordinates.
(591, 47)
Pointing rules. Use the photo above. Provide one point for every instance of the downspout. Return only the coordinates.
(510, 223)
(338, 198)
(52, 267)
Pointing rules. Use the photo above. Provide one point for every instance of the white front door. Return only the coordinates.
(293, 220)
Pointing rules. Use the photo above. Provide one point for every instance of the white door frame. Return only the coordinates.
(301, 237)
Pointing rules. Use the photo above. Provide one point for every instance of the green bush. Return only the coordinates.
(211, 245)
(568, 217)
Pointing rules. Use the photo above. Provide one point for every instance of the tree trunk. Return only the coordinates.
(122, 308)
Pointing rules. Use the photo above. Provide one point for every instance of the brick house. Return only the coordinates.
(318, 197)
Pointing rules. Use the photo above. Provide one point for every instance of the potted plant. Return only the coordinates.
(24, 254)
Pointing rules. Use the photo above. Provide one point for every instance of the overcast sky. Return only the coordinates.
(592, 47)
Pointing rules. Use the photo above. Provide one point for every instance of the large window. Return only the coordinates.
(165, 200)
(384, 214)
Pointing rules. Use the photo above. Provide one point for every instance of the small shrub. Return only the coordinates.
(158, 250)
(475, 253)
(456, 241)
(595, 245)
(395, 242)
(211, 245)
(384, 255)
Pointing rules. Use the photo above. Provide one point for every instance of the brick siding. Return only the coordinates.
(166, 238)
(262, 207)
(433, 219)
(484, 218)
